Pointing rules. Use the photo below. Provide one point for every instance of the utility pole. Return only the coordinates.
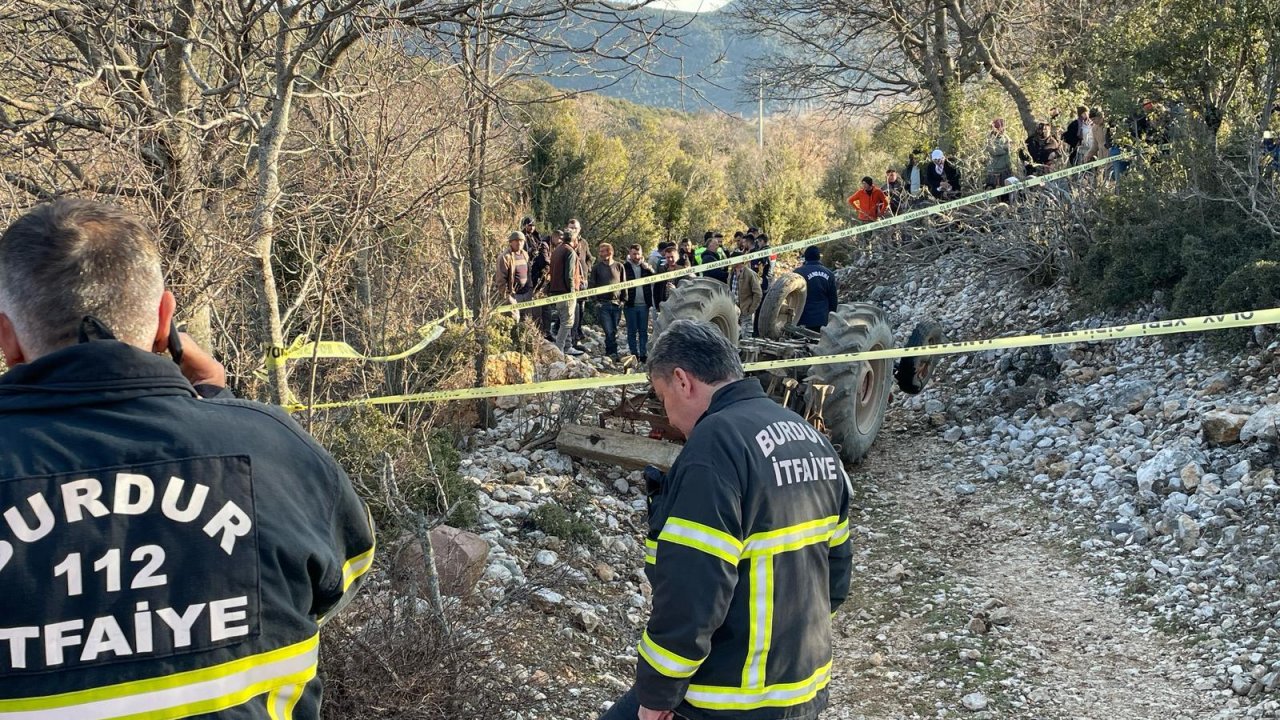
(760, 131)
(682, 107)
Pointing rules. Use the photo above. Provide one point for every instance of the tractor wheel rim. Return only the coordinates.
(870, 377)
(922, 371)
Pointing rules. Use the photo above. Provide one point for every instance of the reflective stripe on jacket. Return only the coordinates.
(170, 556)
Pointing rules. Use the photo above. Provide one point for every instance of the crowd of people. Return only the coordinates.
(562, 263)
(929, 177)
(748, 548)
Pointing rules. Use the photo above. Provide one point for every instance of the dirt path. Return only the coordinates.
(961, 608)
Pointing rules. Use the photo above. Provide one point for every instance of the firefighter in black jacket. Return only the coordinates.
(748, 548)
(168, 551)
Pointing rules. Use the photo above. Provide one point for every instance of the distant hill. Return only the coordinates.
(715, 63)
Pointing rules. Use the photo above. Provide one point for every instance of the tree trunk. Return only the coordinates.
(179, 207)
(1020, 99)
(270, 329)
(1264, 122)
(945, 87)
(362, 279)
(455, 258)
(973, 38)
(477, 140)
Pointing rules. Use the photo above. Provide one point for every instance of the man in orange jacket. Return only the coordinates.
(869, 201)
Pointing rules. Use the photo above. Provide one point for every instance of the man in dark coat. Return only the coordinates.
(823, 297)
(1043, 151)
(1071, 137)
(748, 548)
(171, 550)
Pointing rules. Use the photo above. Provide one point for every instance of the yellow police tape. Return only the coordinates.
(1116, 332)
(300, 350)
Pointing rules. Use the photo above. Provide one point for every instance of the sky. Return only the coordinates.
(689, 5)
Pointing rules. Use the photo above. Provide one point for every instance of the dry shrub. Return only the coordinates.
(388, 656)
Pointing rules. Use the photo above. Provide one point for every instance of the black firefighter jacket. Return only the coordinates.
(162, 555)
(748, 554)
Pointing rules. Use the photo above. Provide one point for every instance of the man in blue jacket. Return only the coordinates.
(748, 548)
(822, 298)
(167, 550)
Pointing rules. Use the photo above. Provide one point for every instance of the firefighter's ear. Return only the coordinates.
(164, 314)
(682, 382)
(9, 344)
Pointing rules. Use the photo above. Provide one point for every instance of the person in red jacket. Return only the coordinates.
(869, 201)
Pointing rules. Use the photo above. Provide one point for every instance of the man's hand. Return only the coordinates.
(198, 366)
(647, 714)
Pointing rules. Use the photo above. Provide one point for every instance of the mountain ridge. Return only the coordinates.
(704, 49)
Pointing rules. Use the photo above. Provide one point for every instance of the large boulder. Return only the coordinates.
(1187, 531)
(1131, 395)
(460, 561)
(1261, 425)
(1218, 384)
(1222, 428)
(508, 368)
(1070, 410)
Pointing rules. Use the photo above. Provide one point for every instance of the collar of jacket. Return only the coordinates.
(90, 373)
(737, 391)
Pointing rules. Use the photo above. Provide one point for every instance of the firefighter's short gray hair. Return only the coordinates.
(71, 258)
(696, 347)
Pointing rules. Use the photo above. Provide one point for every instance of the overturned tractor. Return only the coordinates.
(847, 401)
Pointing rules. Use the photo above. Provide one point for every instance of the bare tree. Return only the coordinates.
(497, 49)
(193, 110)
(858, 55)
(902, 53)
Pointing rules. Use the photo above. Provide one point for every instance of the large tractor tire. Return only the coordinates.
(913, 373)
(700, 299)
(854, 410)
(782, 304)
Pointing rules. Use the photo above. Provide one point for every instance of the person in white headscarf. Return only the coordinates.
(941, 176)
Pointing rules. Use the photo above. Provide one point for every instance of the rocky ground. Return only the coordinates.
(1080, 531)
(968, 606)
(1154, 458)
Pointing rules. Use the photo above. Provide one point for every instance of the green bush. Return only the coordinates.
(559, 521)
(427, 474)
(1251, 287)
(1151, 238)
